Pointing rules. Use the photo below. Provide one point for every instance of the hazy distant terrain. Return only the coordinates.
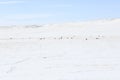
(70, 51)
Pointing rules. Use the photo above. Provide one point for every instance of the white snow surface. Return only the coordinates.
(70, 51)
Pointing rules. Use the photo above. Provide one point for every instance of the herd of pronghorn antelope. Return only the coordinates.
(56, 38)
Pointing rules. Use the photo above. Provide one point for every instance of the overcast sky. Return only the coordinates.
(14, 12)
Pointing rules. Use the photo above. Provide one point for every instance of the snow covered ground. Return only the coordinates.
(70, 51)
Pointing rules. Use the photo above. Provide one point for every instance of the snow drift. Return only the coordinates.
(70, 51)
